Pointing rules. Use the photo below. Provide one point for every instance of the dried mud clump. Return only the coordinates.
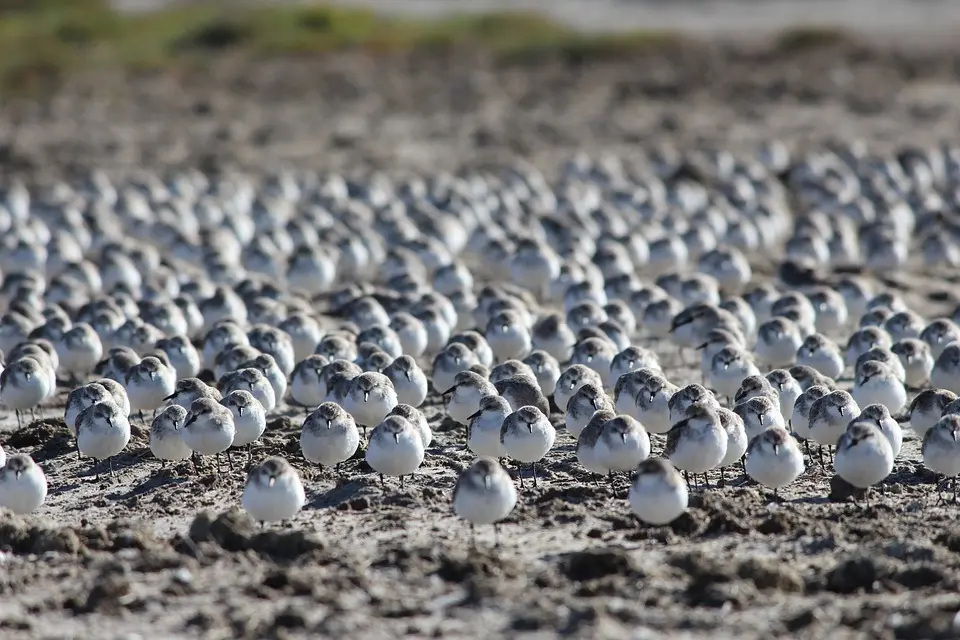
(594, 564)
(234, 531)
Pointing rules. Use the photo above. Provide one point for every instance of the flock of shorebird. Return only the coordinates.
(510, 294)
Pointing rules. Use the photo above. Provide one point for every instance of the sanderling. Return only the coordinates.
(939, 333)
(409, 380)
(588, 399)
(876, 317)
(254, 381)
(657, 494)
(572, 378)
(777, 342)
(23, 385)
(182, 354)
(697, 443)
(856, 293)
(304, 332)
(81, 398)
(329, 435)
(454, 358)
(220, 337)
(335, 372)
(509, 368)
(208, 428)
(774, 459)
(190, 389)
(619, 312)
(821, 353)
(864, 457)
(685, 398)
(267, 365)
(148, 383)
(477, 344)
(465, 394)
(880, 415)
(117, 363)
(79, 350)
(946, 369)
(743, 312)
(521, 391)
(941, 450)
(587, 442)
(437, 328)
(102, 432)
(623, 443)
(690, 327)
(787, 388)
(483, 430)
(904, 324)
(384, 337)
(273, 491)
(166, 442)
(649, 403)
(800, 416)
(23, 487)
(761, 298)
(830, 309)
(714, 341)
(118, 392)
(231, 359)
(484, 494)
(526, 436)
(917, 360)
(659, 316)
(829, 416)
(928, 407)
(249, 417)
(863, 340)
(758, 414)
(551, 334)
(508, 336)
(411, 333)
(876, 383)
(336, 347)
(806, 377)
(728, 368)
(732, 425)
(415, 417)
(545, 369)
(885, 356)
(395, 448)
(370, 398)
(632, 358)
(598, 354)
(305, 389)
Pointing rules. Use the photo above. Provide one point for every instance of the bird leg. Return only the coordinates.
(230, 459)
(19, 421)
(110, 464)
(533, 467)
(820, 454)
(219, 468)
(473, 537)
(520, 473)
(143, 420)
(686, 476)
(496, 535)
(723, 478)
(401, 482)
(194, 458)
(382, 485)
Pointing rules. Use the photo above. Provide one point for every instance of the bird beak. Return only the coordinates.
(366, 396)
(20, 473)
(329, 423)
(409, 377)
(761, 418)
(474, 415)
(776, 449)
(396, 438)
(240, 410)
(503, 328)
(273, 481)
(190, 420)
(153, 375)
(703, 346)
(726, 365)
(486, 481)
(589, 358)
(623, 437)
(954, 434)
(530, 427)
(595, 403)
(841, 410)
(171, 396)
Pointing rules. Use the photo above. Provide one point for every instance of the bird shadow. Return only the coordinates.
(149, 485)
(339, 495)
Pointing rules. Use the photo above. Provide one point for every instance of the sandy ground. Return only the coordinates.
(159, 553)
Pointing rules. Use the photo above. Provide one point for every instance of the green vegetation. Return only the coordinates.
(43, 41)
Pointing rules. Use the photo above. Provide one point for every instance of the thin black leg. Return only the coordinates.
(533, 467)
(496, 535)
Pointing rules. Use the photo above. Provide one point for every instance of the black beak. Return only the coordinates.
(171, 396)
(475, 415)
